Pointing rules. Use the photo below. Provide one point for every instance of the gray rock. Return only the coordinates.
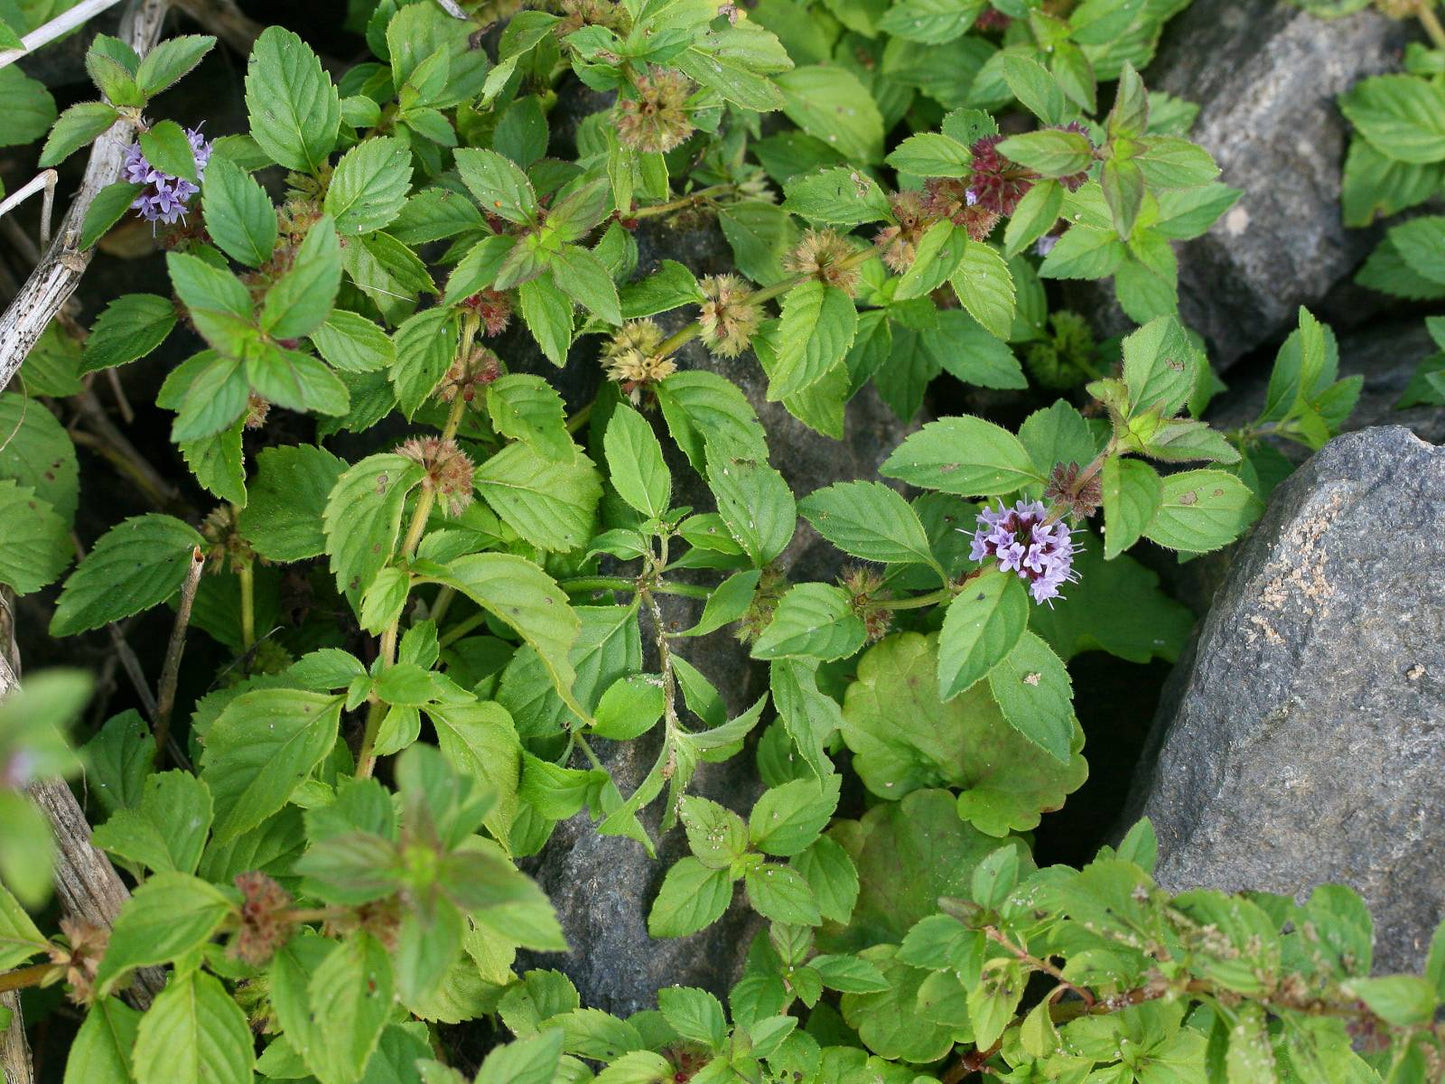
(1266, 75)
(1302, 739)
(603, 886)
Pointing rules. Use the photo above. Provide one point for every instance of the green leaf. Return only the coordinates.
(634, 462)
(1035, 88)
(526, 408)
(350, 994)
(830, 873)
(817, 328)
(547, 312)
(1403, 117)
(786, 820)
(363, 518)
(171, 59)
(528, 600)
(716, 835)
(239, 215)
(352, 343)
(525, 1061)
(1034, 693)
(368, 188)
(498, 183)
(984, 285)
(870, 521)
(753, 500)
(832, 105)
(931, 154)
(101, 1053)
(261, 748)
(19, 937)
(760, 235)
(904, 737)
(983, 624)
(130, 327)
(169, 150)
(930, 21)
(1131, 497)
(1161, 367)
(194, 1034)
(1201, 510)
(1053, 152)
(841, 196)
(1401, 1000)
(939, 252)
(168, 916)
(288, 495)
(1123, 183)
(294, 109)
(425, 346)
(78, 126)
(168, 831)
(551, 504)
(137, 564)
(37, 541)
(296, 381)
(585, 279)
(692, 897)
(780, 894)
(963, 455)
(110, 203)
(300, 300)
(219, 303)
(694, 1014)
(813, 620)
(29, 107)
(727, 603)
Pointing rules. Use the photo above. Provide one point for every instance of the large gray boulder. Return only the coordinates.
(1302, 739)
(603, 886)
(1266, 75)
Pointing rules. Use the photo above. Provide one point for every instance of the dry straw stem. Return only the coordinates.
(58, 273)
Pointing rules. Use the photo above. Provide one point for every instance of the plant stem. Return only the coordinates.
(462, 628)
(581, 418)
(1431, 22)
(622, 583)
(688, 332)
(24, 977)
(376, 710)
(171, 670)
(702, 195)
(917, 602)
(442, 604)
(246, 574)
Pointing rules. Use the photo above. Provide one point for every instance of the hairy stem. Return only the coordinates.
(23, 977)
(1431, 22)
(246, 573)
(171, 670)
(622, 583)
(376, 710)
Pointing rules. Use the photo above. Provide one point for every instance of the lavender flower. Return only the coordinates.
(1024, 542)
(164, 199)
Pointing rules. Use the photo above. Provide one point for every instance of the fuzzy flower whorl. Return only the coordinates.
(729, 317)
(998, 183)
(448, 471)
(1023, 542)
(656, 120)
(632, 358)
(164, 198)
(822, 254)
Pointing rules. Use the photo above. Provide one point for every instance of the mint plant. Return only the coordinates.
(431, 643)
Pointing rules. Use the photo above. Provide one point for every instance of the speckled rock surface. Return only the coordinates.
(1302, 739)
(603, 886)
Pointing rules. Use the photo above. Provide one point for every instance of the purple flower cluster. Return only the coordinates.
(164, 199)
(1023, 541)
